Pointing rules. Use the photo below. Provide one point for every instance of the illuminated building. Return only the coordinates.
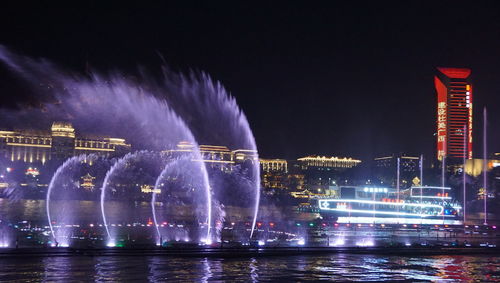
(242, 155)
(271, 180)
(295, 182)
(216, 156)
(474, 167)
(384, 169)
(209, 153)
(63, 140)
(31, 177)
(88, 182)
(274, 173)
(287, 181)
(274, 165)
(327, 162)
(213, 153)
(454, 113)
(219, 157)
(295, 179)
(322, 172)
(60, 142)
(330, 192)
(148, 189)
(32, 171)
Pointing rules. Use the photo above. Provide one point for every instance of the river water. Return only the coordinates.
(340, 267)
(85, 212)
(140, 268)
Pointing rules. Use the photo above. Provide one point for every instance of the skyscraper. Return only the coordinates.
(454, 113)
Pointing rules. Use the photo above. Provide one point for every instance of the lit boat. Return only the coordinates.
(416, 205)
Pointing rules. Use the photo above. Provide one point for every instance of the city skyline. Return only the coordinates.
(359, 80)
(249, 141)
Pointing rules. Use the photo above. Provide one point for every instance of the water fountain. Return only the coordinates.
(464, 179)
(485, 168)
(182, 185)
(120, 170)
(421, 179)
(214, 116)
(152, 115)
(398, 180)
(61, 194)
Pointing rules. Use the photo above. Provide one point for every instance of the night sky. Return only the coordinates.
(312, 77)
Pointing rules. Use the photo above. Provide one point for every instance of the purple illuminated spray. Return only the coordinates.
(118, 164)
(463, 176)
(100, 102)
(214, 116)
(485, 169)
(189, 179)
(139, 111)
(443, 176)
(421, 179)
(56, 180)
(397, 179)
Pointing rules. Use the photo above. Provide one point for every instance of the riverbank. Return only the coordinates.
(250, 252)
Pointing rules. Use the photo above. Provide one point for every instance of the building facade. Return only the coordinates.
(322, 172)
(274, 173)
(384, 169)
(274, 165)
(60, 142)
(333, 163)
(454, 113)
(216, 156)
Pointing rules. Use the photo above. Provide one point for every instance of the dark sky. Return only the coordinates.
(334, 77)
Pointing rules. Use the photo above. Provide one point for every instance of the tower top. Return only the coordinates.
(455, 73)
(63, 129)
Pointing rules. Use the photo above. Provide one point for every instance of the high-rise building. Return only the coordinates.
(321, 171)
(384, 169)
(454, 113)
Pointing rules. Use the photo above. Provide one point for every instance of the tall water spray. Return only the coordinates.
(214, 117)
(118, 164)
(421, 178)
(464, 177)
(398, 168)
(485, 168)
(63, 181)
(143, 167)
(182, 183)
(153, 115)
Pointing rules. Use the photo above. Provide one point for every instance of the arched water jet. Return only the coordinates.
(190, 173)
(215, 118)
(53, 182)
(135, 110)
(119, 164)
(155, 219)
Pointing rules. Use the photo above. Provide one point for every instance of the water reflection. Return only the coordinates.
(207, 271)
(254, 271)
(56, 268)
(155, 271)
(340, 267)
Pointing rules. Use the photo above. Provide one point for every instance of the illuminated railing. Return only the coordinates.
(417, 192)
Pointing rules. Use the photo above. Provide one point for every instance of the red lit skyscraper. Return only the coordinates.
(454, 113)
